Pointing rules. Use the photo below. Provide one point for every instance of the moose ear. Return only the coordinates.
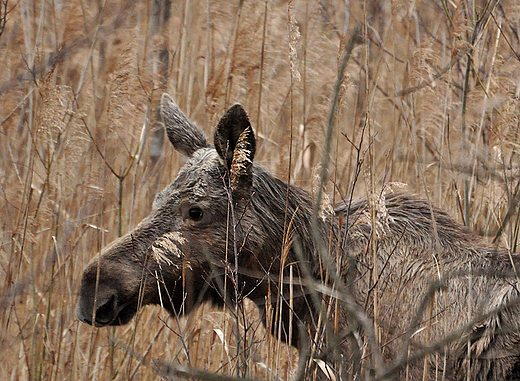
(235, 143)
(185, 136)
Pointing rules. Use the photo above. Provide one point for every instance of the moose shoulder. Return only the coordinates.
(387, 288)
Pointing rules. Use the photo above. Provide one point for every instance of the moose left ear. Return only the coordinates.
(185, 136)
(235, 143)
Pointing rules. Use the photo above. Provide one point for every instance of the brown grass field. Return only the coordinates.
(430, 99)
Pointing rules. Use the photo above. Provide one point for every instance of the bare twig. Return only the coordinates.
(3, 15)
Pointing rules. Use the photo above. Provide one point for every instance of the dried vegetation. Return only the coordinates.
(430, 98)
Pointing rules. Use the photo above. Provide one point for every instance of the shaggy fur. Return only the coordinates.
(443, 302)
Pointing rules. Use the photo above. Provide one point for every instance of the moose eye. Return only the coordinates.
(195, 213)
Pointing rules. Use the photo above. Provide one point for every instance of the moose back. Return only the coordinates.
(383, 289)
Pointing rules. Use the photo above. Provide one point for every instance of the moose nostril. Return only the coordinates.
(105, 312)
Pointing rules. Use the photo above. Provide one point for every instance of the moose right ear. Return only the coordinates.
(236, 145)
(185, 136)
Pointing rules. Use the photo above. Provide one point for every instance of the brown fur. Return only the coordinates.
(438, 293)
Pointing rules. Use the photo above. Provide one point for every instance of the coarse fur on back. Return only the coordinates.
(387, 288)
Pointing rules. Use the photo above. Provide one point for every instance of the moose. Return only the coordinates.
(386, 288)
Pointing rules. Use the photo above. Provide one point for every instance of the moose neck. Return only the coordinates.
(285, 216)
(283, 246)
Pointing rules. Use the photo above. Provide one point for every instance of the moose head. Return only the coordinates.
(178, 254)
(220, 216)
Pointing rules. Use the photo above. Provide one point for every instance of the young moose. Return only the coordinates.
(389, 289)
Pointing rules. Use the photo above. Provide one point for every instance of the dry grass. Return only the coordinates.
(80, 154)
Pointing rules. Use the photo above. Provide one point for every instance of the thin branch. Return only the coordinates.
(3, 15)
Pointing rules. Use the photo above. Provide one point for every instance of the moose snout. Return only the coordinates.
(98, 311)
(109, 293)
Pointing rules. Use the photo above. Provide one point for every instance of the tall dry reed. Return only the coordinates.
(429, 98)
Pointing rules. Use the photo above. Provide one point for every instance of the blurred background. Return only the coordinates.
(429, 103)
